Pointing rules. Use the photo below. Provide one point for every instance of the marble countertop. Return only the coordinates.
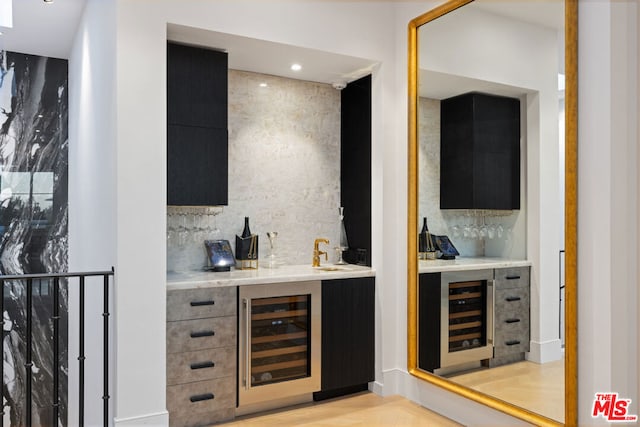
(468, 263)
(285, 273)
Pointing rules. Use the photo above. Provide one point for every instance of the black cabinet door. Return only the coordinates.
(197, 172)
(429, 321)
(197, 143)
(196, 86)
(348, 351)
(480, 152)
(355, 166)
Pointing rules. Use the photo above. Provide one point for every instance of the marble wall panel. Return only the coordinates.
(33, 225)
(284, 172)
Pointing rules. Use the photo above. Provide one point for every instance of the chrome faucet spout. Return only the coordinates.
(317, 252)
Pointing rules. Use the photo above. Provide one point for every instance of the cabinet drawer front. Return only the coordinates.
(510, 343)
(201, 303)
(512, 326)
(515, 277)
(201, 397)
(513, 300)
(200, 334)
(200, 365)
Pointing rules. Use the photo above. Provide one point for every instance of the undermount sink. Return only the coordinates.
(330, 268)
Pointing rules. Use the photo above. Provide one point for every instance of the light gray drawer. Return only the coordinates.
(200, 334)
(508, 343)
(187, 402)
(514, 277)
(511, 300)
(201, 303)
(201, 365)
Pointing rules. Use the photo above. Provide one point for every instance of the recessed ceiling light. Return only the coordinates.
(296, 67)
(48, 1)
(263, 85)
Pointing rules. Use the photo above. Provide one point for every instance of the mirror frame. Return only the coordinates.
(571, 217)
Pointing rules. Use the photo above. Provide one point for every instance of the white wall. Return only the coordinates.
(608, 204)
(92, 191)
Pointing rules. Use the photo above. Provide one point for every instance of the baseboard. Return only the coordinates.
(160, 419)
(544, 352)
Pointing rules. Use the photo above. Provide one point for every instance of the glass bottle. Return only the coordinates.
(246, 232)
(344, 243)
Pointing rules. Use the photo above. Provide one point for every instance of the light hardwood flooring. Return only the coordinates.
(537, 387)
(364, 409)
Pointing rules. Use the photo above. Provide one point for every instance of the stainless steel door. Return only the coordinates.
(466, 310)
(279, 341)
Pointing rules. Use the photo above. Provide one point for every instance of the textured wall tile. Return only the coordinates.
(284, 170)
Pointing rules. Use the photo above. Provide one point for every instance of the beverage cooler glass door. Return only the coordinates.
(466, 317)
(279, 341)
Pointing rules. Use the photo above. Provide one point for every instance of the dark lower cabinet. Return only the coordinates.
(348, 350)
(429, 321)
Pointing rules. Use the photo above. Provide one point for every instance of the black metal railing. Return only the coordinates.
(55, 320)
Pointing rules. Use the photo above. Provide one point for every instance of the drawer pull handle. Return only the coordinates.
(201, 303)
(512, 320)
(511, 299)
(203, 365)
(201, 334)
(514, 342)
(513, 277)
(201, 397)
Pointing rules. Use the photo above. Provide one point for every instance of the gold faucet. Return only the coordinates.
(317, 252)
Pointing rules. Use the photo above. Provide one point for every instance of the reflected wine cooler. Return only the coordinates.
(466, 317)
(279, 344)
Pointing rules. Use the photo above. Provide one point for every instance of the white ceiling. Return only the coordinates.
(43, 29)
(260, 56)
(49, 30)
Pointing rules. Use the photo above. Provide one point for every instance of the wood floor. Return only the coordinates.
(539, 388)
(365, 409)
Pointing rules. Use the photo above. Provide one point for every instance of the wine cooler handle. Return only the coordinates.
(491, 302)
(246, 303)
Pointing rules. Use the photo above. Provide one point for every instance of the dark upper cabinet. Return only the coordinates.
(196, 175)
(480, 152)
(196, 86)
(197, 142)
(348, 336)
(355, 167)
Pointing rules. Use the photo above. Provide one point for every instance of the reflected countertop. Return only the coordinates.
(262, 275)
(468, 263)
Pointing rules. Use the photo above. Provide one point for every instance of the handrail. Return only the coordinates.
(55, 318)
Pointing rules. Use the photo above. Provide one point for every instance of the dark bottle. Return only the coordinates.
(247, 232)
(422, 237)
(424, 242)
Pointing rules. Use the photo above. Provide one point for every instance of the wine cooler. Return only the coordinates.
(279, 342)
(466, 317)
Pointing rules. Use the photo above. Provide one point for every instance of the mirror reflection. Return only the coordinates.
(490, 203)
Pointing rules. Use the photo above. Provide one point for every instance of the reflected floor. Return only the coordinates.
(365, 409)
(536, 387)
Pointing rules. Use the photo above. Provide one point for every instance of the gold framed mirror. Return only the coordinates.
(570, 117)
